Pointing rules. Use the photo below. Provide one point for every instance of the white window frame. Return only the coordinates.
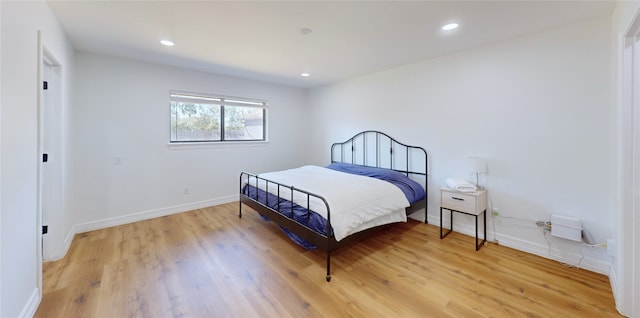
(222, 100)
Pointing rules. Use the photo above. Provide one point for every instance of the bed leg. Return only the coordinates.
(328, 266)
(240, 210)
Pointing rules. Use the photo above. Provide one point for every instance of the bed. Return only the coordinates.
(387, 181)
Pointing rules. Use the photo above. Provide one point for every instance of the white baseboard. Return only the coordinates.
(68, 240)
(594, 265)
(541, 250)
(139, 216)
(65, 248)
(565, 257)
(31, 306)
(613, 281)
(145, 215)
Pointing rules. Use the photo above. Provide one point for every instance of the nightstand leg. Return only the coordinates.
(485, 227)
(450, 220)
(440, 222)
(443, 235)
(484, 240)
(477, 246)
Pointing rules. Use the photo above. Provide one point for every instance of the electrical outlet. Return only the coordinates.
(186, 190)
(611, 247)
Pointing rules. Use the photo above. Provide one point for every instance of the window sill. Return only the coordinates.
(210, 145)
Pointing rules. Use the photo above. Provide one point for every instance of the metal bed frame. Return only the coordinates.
(368, 148)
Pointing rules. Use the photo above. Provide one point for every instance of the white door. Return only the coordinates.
(50, 151)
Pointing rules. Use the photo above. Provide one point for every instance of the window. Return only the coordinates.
(202, 118)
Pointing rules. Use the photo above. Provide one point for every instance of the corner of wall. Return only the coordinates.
(31, 306)
(613, 281)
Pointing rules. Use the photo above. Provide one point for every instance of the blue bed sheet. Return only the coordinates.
(293, 211)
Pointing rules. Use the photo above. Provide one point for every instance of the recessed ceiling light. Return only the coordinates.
(450, 26)
(305, 31)
(167, 43)
(305, 74)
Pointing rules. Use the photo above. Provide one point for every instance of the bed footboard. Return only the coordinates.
(271, 203)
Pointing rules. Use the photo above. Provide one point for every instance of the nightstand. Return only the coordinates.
(470, 203)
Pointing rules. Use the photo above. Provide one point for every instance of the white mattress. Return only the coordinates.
(356, 202)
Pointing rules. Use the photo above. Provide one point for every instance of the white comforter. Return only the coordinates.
(356, 202)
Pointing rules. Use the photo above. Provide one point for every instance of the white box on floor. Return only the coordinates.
(566, 227)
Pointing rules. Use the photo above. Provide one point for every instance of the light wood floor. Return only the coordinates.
(210, 263)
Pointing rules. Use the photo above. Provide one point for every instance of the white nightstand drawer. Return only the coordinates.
(472, 202)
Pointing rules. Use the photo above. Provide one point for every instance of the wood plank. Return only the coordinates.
(210, 263)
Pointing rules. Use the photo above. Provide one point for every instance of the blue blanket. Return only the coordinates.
(411, 189)
(291, 210)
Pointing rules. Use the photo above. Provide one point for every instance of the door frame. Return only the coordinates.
(628, 252)
(48, 69)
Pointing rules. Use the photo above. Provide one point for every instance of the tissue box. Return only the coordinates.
(566, 227)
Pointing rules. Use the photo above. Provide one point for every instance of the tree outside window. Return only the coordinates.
(196, 118)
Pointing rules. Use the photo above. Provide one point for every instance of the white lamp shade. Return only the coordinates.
(477, 164)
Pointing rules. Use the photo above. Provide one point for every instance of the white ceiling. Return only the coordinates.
(262, 40)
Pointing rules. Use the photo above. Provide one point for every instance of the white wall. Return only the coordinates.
(121, 110)
(19, 235)
(1, 111)
(537, 107)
